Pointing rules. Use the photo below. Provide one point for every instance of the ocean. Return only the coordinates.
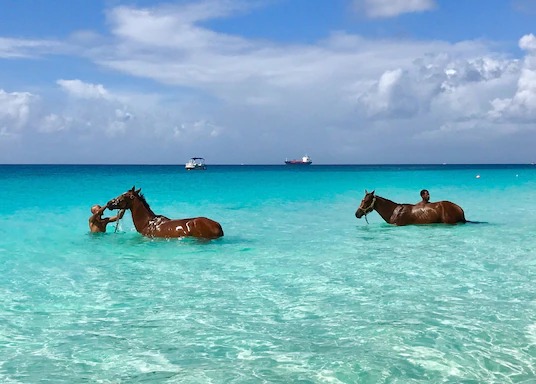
(297, 291)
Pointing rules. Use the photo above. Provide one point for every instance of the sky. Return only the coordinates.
(260, 81)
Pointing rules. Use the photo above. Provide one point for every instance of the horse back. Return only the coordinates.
(202, 227)
(430, 213)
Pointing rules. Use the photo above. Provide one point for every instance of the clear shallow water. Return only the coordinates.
(298, 290)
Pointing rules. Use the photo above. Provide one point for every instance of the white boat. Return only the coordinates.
(196, 164)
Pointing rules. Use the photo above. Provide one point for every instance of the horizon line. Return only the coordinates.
(263, 164)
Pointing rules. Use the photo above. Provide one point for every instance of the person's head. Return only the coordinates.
(425, 195)
(95, 208)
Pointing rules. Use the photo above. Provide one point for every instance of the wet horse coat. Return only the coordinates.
(151, 225)
(406, 214)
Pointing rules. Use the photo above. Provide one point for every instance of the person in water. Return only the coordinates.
(425, 196)
(97, 223)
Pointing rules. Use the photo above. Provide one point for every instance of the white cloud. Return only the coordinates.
(119, 122)
(122, 115)
(392, 8)
(82, 90)
(14, 111)
(452, 84)
(18, 48)
(390, 96)
(54, 123)
(197, 129)
(522, 106)
(175, 27)
(528, 43)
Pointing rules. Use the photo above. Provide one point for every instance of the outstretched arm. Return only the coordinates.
(97, 214)
(119, 216)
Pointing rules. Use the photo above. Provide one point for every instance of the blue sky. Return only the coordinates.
(255, 82)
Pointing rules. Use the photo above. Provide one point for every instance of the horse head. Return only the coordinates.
(367, 205)
(124, 201)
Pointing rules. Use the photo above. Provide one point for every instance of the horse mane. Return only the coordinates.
(383, 198)
(144, 202)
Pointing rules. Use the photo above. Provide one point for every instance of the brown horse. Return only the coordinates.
(151, 225)
(407, 214)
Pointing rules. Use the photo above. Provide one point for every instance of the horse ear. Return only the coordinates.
(138, 191)
(373, 192)
(366, 192)
(133, 188)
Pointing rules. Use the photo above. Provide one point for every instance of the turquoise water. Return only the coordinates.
(297, 291)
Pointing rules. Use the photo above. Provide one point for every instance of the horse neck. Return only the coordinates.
(385, 208)
(141, 215)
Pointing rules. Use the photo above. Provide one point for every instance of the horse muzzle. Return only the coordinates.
(113, 204)
(359, 213)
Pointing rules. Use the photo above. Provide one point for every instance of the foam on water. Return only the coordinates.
(298, 289)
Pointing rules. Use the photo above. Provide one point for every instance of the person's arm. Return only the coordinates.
(97, 215)
(119, 216)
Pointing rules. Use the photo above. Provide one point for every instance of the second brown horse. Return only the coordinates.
(406, 214)
(151, 225)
